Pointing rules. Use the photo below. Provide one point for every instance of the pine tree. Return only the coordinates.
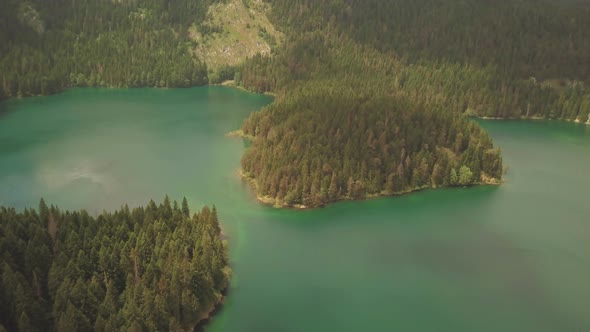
(185, 209)
(465, 176)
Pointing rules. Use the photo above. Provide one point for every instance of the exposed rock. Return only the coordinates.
(30, 17)
(236, 32)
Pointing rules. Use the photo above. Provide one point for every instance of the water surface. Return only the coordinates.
(508, 258)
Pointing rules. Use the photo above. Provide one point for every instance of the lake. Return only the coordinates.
(510, 258)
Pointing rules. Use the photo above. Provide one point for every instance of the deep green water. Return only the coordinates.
(508, 258)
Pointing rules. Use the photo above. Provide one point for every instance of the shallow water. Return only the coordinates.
(509, 258)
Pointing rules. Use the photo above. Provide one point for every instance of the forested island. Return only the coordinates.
(372, 97)
(153, 268)
(326, 141)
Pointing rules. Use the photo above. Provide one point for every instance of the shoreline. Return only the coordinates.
(232, 84)
(530, 118)
(229, 84)
(208, 315)
(267, 200)
(271, 201)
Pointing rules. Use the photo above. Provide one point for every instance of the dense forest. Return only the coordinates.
(539, 38)
(507, 59)
(46, 46)
(152, 268)
(366, 144)
(495, 59)
(373, 96)
(355, 124)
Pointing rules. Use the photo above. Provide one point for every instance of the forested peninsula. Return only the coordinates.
(153, 268)
(373, 98)
(325, 141)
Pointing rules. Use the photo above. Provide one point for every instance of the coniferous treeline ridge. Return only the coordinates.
(507, 59)
(47, 46)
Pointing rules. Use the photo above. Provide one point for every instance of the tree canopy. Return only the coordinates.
(149, 268)
(508, 59)
(46, 46)
(325, 141)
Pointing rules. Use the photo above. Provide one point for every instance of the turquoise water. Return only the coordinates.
(509, 258)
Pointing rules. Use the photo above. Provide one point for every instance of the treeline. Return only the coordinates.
(46, 46)
(322, 40)
(325, 141)
(542, 39)
(521, 58)
(151, 268)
